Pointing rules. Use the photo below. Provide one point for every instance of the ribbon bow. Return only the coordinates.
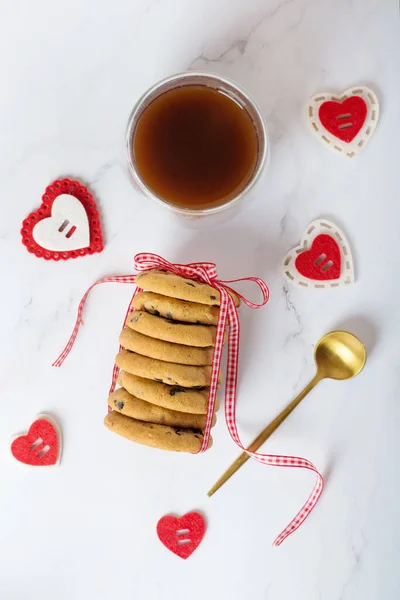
(203, 271)
(206, 272)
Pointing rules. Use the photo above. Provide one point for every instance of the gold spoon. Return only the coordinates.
(338, 355)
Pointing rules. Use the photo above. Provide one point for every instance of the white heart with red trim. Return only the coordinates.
(315, 229)
(329, 140)
(66, 229)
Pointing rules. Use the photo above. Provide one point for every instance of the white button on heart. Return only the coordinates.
(66, 229)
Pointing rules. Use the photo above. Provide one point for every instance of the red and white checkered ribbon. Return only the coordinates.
(206, 272)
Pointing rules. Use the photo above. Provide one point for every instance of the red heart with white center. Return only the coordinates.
(344, 119)
(67, 224)
(182, 535)
(322, 261)
(41, 446)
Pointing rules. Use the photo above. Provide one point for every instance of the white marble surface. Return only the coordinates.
(71, 72)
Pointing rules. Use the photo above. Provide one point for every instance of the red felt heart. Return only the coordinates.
(174, 533)
(343, 119)
(73, 188)
(322, 262)
(29, 448)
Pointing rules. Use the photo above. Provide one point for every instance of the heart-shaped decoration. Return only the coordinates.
(41, 446)
(182, 535)
(66, 229)
(66, 225)
(344, 123)
(322, 260)
(344, 119)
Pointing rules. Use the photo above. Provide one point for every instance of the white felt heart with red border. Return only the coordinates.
(344, 123)
(66, 224)
(322, 260)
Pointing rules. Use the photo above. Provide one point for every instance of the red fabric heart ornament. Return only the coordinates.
(343, 119)
(39, 447)
(64, 187)
(322, 262)
(182, 535)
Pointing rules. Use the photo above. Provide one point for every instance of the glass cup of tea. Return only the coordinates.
(196, 143)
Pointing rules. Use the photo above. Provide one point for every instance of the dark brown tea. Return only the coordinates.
(194, 147)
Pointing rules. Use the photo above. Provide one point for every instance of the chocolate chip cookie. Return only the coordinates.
(163, 372)
(175, 309)
(129, 405)
(169, 284)
(175, 397)
(157, 436)
(202, 336)
(167, 351)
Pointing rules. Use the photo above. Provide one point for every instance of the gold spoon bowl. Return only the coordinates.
(339, 355)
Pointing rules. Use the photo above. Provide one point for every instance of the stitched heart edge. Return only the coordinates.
(56, 426)
(55, 189)
(314, 229)
(364, 135)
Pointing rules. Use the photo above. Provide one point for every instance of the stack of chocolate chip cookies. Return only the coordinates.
(166, 363)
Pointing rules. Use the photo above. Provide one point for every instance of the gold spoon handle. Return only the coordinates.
(264, 435)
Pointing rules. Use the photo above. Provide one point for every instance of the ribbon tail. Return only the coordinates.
(272, 460)
(79, 321)
(305, 510)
